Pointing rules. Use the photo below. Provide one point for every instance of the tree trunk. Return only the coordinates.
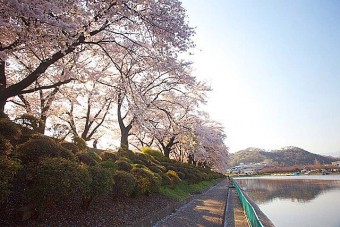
(2, 88)
(42, 124)
(124, 130)
(168, 147)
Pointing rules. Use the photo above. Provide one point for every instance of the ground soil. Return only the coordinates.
(104, 211)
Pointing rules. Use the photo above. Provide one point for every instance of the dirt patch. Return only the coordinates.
(105, 211)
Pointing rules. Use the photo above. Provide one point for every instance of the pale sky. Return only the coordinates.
(274, 67)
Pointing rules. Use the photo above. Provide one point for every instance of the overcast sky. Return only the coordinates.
(274, 67)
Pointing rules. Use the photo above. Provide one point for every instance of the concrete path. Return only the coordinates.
(205, 209)
(234, 216)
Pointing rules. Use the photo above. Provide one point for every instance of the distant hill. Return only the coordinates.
(288, 156)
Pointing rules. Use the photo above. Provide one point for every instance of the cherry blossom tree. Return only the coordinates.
(46, 31)
(207, 142)
(88, 106)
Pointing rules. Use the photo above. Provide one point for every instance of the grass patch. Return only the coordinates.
(184, 190)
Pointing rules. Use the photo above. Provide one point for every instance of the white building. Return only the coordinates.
(337, 163)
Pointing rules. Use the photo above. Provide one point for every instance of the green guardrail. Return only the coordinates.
(248, 208)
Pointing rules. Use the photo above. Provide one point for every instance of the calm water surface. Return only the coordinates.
(299, 201)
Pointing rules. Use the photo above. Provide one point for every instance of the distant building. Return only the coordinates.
(337, 163)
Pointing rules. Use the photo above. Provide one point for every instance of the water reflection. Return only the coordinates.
(296, 202)
(296, 190)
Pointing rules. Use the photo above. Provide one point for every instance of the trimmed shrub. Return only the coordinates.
(57, 178)
(108, 165)
(155, 169)
(9, 130)
(127, 154)
(181, 175)
(8, 170)
(123, 165)
(174, 177)
(95, 156)
(107, 155)
(165, 179)
(139, 166)
(154, 153)
(5, 146)
(70, 146)
(87, 159)
(147, 181)
(101, 183)
(80, 143)
(125, 183)
(35, 150)
(142, 157)
(29, 121)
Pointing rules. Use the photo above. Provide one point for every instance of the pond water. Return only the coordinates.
(299, 201)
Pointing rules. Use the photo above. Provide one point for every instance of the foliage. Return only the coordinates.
(35, 150)
(107, 155)
(123, 152)
(70, 146)
(56, 178)
(9, 130)
(87, 159)
(80, 143)
(29, 121)
(8, 170)
(173, 177)
(5, 146)
(125, 183)
(95, 156)
(101, 181)
(154, 153)
(123, 165)
(147, 181)
(109, 165)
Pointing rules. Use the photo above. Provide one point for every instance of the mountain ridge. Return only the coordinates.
(286, 156)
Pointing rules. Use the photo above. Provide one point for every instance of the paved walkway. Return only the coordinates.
(205, 209)
(235, 216)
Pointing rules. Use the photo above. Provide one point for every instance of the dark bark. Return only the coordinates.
(168, 147)
(124, 130)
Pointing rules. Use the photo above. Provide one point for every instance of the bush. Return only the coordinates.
(80, 143)
(123, 165)
(139, 166)
(181, 175)
(5, 146)
(147, 181)
(142, 156)
(125, 183)
(35, 150)
(122, 152)
(87, 159)
(155, 169)
(154, 153)
(57, 178)
(108, 165)
(95, 156)
(107, 155)
(101, 183)
(165, 179)
(9, 130)
(174, 177)
(70, 146)
(8, 170)
(30, 122)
